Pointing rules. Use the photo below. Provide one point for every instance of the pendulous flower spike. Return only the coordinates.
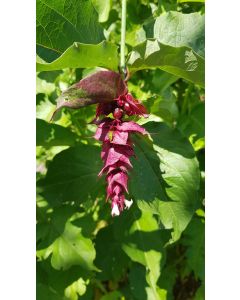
(117, 148)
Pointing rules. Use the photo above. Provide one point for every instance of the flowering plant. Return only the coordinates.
(98, 146)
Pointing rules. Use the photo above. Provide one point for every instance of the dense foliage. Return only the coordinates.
(154, 250)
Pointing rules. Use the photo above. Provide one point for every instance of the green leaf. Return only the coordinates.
(73, 176)
(81, 55)
(70, 249)
(165, 177)
(194, 122)
(182, 61)
(177, 30)
(58, 281)
(49, 135)
(165, 106)
(53, 225)
(44, 292)
(103, 8)
(194, 238)
(139, 288)
(110, 259)
(61, 23)
(143, 245)
(162, 80)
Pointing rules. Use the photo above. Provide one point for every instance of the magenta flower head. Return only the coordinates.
(110, 92)
(117, 147)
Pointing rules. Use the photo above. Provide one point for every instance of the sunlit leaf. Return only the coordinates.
(81, 55)
(180, 61)
(166, 182)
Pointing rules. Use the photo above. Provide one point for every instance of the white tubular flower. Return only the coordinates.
(128, 203)
(115, 210)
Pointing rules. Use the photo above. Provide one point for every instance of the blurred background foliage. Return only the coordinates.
(154, 251)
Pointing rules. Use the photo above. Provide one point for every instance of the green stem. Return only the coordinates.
(123, 35)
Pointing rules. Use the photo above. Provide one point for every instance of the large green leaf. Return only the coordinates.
(69, 249)
(110, 259)
(179, 61)
(143, 245)
(49, 135)
(73, 176)
(177, 29)
(81, 55)
(165, 177)
(59, 281)
(61, 23)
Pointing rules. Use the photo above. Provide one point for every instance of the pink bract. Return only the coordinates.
(117, 146)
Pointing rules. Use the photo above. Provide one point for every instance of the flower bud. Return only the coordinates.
(120, 102)
(127, 107)
(118, 113)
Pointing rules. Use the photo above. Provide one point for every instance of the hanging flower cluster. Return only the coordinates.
(117, 146)
(110, 93)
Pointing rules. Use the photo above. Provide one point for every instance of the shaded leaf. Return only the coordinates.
(72, 176)
(194, 123)
(165, 106)
(49, 135)
(171, 171)
(58, 280)
(162, 80)
(143, 245)
(61, 23)
(84, 56)
(44, 292)
(194, 239)
(110, 259)
(182, 61)
(70, 249)
(138, 283)
(53, 225)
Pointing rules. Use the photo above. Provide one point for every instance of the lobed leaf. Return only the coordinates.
(165, 177)
(180, 61)
(69, 249)
(177, 30)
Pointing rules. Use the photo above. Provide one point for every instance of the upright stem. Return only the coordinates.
(123, 35)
